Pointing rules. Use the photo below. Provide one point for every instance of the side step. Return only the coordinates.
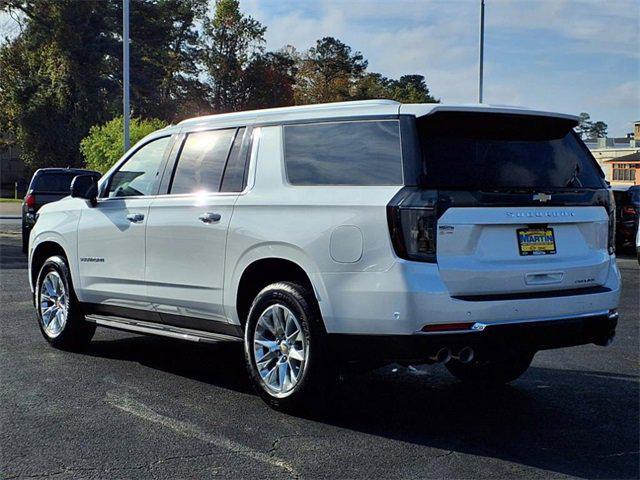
(149, 328)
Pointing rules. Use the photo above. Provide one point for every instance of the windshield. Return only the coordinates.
(480, 151)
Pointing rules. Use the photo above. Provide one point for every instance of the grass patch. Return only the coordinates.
(10, 200)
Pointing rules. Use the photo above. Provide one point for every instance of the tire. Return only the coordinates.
(494, 372)
(295, 371)
(64, 327)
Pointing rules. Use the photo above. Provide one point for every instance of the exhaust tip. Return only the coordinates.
(443, 355)
(465, 355)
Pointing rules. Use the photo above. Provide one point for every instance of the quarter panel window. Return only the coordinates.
(344, 153)
(201, 162)
(140, 174)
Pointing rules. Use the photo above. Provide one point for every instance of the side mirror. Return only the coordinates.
(86, 187)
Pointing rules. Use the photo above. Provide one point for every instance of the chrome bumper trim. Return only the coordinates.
(481, 326)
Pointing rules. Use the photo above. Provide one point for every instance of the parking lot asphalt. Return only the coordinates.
(143, 407)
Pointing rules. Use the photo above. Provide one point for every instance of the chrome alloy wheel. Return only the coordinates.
(279, 349)
(53, 304)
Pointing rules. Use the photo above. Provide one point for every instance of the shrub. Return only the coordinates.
(105, 143)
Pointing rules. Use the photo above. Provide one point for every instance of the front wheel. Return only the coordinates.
(500, 371)
(285, 347)
(60, 315)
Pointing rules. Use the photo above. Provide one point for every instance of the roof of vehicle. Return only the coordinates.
(356, 109)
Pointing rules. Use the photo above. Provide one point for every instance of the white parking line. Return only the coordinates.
(187, 429)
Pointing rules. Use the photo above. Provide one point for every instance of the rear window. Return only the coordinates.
(494, 151)
(343, 153)
(202, 161)
(54, 182)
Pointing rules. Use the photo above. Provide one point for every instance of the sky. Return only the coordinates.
(563, 55)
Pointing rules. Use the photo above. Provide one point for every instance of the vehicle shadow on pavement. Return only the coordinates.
(577, 423)
(572, 422)
(187, 359)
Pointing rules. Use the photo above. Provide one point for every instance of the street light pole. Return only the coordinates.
(126, 111)
(481, 69)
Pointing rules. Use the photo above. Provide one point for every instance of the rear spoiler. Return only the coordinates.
(424, 109)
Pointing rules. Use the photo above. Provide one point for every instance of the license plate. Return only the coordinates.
(536, 241)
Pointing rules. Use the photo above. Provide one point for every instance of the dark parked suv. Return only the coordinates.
(47, 185)
(627, 213)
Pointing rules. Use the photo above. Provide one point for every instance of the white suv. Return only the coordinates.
(350, 233)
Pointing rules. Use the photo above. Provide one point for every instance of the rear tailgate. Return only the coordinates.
(495, 250)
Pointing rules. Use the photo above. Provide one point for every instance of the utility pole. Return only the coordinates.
(126, 110)
(481, 69)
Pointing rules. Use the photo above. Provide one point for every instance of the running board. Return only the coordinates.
(149, 328)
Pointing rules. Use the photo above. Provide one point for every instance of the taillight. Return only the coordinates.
(30, 200)
(629, 210)
(412, 219)
(612, 223)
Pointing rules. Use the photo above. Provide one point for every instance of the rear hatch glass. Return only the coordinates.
(54, 182)
(472, 151)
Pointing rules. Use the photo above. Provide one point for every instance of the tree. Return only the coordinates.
(165, 54)
(104, 144)
(598, 130)
(54, 78)
(232, 41)
(410, 89)
(329, 72)
(584, 125)
(268, 81)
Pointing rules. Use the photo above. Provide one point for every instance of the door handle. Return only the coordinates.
(210, 217)
(135, 217)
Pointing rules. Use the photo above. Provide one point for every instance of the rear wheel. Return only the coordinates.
(503, 370)
(60, 315)
(285, 347)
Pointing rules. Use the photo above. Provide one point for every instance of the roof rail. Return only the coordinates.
(315, 106)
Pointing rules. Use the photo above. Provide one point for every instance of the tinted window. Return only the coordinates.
(202, 161)
(492, 151)
(233, 180)
(54, 182)
(140, 174)
(343, 153)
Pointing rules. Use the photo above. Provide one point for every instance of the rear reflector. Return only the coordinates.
(30, 200)
(447, 327)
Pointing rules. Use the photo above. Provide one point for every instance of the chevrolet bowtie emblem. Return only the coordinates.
(542, 197)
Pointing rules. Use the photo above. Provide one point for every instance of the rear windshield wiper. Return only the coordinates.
(574, 181)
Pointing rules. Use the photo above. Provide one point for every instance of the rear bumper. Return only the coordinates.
(410, 295)
(491, 341)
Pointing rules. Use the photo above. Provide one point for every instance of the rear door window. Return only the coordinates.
(202, 161)
(494, 151)
(234, 172)
(343, 153)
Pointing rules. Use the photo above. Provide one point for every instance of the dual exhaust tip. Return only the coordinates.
(464, 355)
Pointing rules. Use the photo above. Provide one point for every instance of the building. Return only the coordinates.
(624, 170)
(619, 157)
(12, 168)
